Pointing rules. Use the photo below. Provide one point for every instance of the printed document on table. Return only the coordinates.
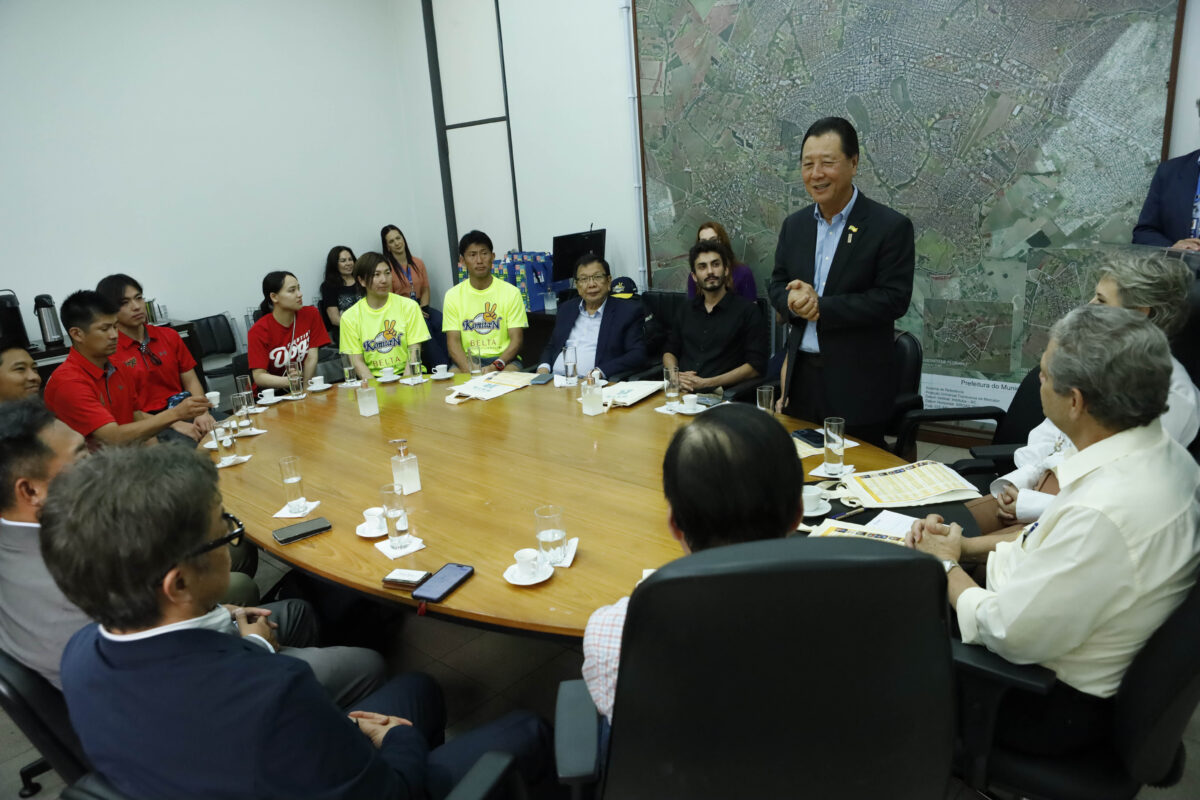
(483, 389)
(513, 379)
(626, 393)
(834, 527)
(914, 484)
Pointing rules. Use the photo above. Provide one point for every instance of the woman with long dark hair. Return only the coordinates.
(339, 290)
(410, 279)
(288, 331)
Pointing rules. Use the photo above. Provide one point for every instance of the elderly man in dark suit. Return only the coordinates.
(606, 332)
(843, 275)
(1171, 214)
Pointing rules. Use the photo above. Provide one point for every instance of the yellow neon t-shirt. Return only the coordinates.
(484, 317)
(382, 336)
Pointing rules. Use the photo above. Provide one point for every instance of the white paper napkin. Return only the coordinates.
(258, 409)
(415, 380)
(351, 384)
(300, 396)
(820, 472)
(385, 547)
(250, 431)
(309, 506)
(569, 555)
(233, 461)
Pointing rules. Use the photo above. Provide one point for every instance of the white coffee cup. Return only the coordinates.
(316, 381)
(441, 369)
(813, 497)
(527, 559)
(373, 517)
(267, 394)
(691, 402)
(214, 398)
(387, 372)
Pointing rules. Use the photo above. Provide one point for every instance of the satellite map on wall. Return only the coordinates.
(1006, 130)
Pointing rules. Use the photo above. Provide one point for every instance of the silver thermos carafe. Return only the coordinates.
(47, 317)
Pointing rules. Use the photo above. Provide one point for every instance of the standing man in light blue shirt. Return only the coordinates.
(843, 276)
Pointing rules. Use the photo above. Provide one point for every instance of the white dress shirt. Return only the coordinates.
(584, 337)
(1048, 446)
(1115, 552)
(219, 620)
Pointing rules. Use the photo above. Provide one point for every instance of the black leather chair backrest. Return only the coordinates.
(784, 668)
(215, 334)
(1159, 693)
(40, 712)
(1024, 412)
(661, 310)
(910, 357)
(241, 364)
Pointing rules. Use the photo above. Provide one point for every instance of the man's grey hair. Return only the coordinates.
(1152, 281)
(1118, 360)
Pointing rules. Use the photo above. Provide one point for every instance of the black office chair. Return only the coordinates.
(1154, 703)
(1012, 427)
(776, 669)
(910, 357)
(40, 712)
(215, 336)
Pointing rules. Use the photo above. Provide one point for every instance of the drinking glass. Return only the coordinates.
(391, 499)
(295, 378)
(413, 368)
(475, 359)
(225, 441)
(671, 385)
(835, 445)
(293, 484)
(243, 384)
(766, 398)
(570, 365)
(551, 534)
(348, 373)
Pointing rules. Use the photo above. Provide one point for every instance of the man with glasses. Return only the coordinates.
(481, 314)
(606, 332)
(36, 620)
(843, 276)
(166, 704)
(1171, 213)
(157, 352)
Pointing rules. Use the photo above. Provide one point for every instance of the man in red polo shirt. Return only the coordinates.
(158, 353)
(96, 397)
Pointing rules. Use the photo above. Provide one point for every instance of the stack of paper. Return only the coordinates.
(626, 393)
(487, 388)
(916, 484)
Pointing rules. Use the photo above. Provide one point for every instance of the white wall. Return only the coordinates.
(197, 146)
(577, 162)
(1185, 127)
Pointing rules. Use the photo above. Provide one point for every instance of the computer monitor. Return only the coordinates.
(568, 249)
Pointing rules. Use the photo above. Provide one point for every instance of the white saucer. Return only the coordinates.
(362, 531)
(438, 377)
(300, 396)
(320, 388)
(818, 510)
(679, 409)
(544, 572)
(270, 401)
(392, 379)
(351, 384)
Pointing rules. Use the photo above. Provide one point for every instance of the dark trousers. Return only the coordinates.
(418, 699)
(807, 400)
(1062, 722)
(434, 351)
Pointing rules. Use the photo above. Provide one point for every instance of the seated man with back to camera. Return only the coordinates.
(382, 328)
(36, 620)
(483, 314)
(1115, 552)
(719, 338)
(158, 353)
(1152, 285)
(165, 706)
(760, 498)
(19, 377)
(97, 397)
(605, 331)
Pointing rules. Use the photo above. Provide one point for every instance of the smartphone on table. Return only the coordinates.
(813, 437)
(301, 530)
(444, 581)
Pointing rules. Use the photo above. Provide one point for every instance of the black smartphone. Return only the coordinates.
(814, 437)
(301, 530)
(443, 582)
(545, 377)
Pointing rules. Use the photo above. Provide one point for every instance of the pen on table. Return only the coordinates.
(845, 514)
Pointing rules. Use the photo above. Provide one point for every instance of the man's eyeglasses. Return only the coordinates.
(144, 349)
(236, 531)
(586, 280)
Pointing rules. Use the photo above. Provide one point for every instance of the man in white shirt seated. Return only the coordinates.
(1152, 285)
(1116, 551)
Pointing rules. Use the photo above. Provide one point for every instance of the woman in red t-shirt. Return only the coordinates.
(287, 331)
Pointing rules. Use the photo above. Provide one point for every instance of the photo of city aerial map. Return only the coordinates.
(1007, 131)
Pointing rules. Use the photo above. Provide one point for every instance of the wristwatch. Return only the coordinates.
(499, 364)
(949, 564)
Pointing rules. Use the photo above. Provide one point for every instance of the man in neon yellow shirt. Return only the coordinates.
(483, 312)
(381, 329)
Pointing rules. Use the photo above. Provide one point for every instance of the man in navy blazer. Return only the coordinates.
(843, 276)
(605, 331)
(1169, 215)
(167, 706)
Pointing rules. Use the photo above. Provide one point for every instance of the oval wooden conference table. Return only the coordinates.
(484, 467)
